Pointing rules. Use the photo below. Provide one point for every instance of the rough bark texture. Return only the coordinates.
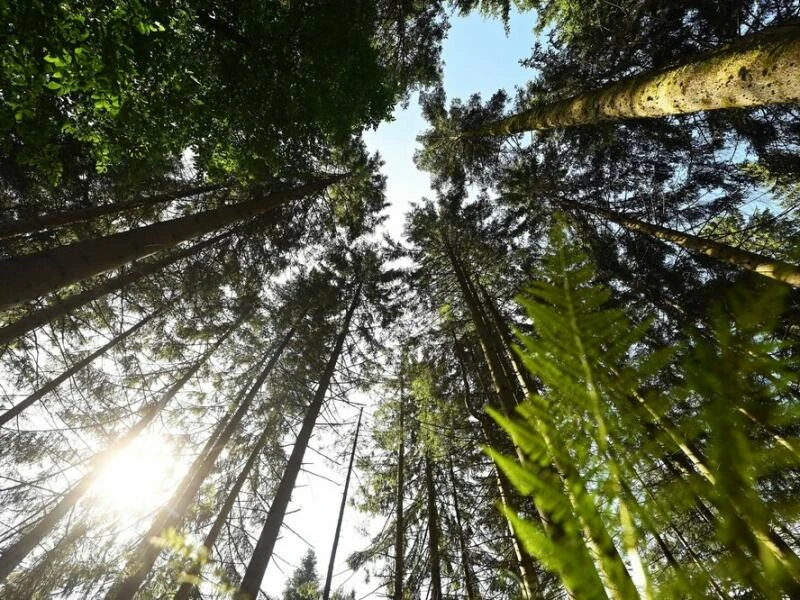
(54, 383)
(750, 261)
(52, 221)
(329, 577)
(60, 308)
(757, 70)
(171, 515)
(251, 582)
(32, 275)
(12, 557)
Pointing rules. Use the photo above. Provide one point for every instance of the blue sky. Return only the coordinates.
(478, 57)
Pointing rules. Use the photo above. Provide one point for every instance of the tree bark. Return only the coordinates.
(55, 220)
(750, 261)
(30, 276)
(62, 307)
(54, 383)
(171, 515)
(12, 557)
(329, 577)
(251, 582)
(756, 70)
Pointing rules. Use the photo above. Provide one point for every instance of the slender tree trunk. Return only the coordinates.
(399, 550)
(329, 577)
(603, 551)
(60, 308)
(470, 585)
(55, 220)
(172, 514)
(186, 588)
(757, 70)
(750, 261)
(434, 541)
(54, 383)
(531, 587)
(251, 582)
(12, 557)
(30, 276)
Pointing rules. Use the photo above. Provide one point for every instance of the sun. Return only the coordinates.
(138, 478)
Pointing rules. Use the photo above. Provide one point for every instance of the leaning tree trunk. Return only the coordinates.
(399, 550)
(262, 553)
(56, 310)
(171, 515)
(81, 215)
(54, 383)
(434, 534)
(30, 276)
(750, 261)
(187, 587)
(757, 70)
(329, 577)
(12, 557)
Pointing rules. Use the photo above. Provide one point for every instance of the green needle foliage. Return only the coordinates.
(611, 411)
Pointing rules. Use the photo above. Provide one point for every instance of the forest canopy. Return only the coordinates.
(571, 372)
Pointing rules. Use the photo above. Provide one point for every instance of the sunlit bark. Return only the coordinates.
(757, 70)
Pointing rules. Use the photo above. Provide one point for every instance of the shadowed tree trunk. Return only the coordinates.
(604, 552)
(329, 577)
(399, 550)
(12, 557)
(172, 514)
(470, 585)
(186, 588)
(54, 383)
(750, 261)
(262, 553)
(56, 310)
(434, 534)
(756, 70)
(30, 276)
(80, 215)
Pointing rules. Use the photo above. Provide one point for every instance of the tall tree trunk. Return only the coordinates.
(470, 585)
(757, 70)
(434, 536)
(750, 261)
(531, 587)
(607, 559)
(56, 310)
(30, 276)
(262, 553)
(186, 588)
(399, 550)
(12, 557)
(172, 514)
(54, 383)
(81, 215)
(329, 577)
